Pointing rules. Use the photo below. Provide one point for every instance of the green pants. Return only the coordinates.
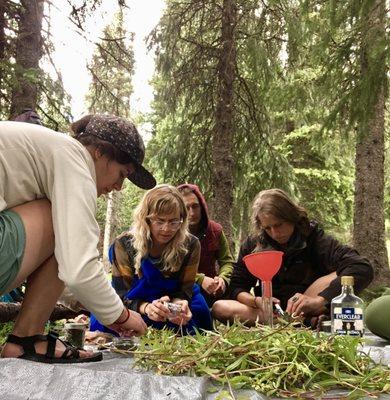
(378, 316)
(12, 243)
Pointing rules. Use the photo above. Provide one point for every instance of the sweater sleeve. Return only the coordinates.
(242, 279)
(72, 192)
(188, 274)
(225, 259)
(122, 270)
(345, 261)
(123, 274)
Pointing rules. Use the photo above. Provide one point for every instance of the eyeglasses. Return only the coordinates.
(172, 225)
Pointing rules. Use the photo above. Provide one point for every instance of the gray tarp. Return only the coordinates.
(115, 379)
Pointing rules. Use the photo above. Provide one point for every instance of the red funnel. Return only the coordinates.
(264, 265)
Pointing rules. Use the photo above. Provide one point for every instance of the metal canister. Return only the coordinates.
(326, 326)
(75, 333)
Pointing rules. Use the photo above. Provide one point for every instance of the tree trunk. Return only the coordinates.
(28, 53)
(369, 223)
(109, 225)
(2, 39)
(223, 131)
(2, 31)
(244, 225)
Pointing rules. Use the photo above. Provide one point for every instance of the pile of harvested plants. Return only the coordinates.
(283, 362)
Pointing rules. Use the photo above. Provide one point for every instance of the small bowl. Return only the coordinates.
(123, 343)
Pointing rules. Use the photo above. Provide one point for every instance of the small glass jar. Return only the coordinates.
(174, 309)
(75, 333)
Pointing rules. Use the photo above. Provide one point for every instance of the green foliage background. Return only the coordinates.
(295, 108)
(298, 100)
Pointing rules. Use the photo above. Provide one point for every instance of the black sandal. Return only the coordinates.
(70, 355)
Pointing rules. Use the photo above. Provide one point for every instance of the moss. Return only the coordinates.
(5, 329)
(370, 294)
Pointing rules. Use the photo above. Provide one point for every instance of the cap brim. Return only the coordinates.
(142, 178)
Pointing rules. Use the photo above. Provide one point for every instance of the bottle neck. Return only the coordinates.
(347, 289)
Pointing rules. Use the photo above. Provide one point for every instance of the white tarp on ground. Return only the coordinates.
(115, 379)
(111, 379)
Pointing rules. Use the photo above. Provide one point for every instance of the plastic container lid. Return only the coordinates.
(75, 325)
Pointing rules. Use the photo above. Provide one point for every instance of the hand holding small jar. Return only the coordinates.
(161, 310)
(183, 317)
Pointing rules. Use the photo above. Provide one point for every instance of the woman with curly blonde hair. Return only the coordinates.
(155, 263)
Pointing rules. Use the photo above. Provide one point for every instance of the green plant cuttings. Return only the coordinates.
(283, 362)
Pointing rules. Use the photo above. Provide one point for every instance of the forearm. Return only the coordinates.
(225, 260)
(226, 272)
(247, 299)
(241, 282)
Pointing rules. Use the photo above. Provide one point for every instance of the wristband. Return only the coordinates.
(125, 320)
(145, 306)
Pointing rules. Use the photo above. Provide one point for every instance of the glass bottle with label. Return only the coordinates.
(347, 310)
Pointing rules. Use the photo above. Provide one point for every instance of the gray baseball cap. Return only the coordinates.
(123, 134)
(28, 115)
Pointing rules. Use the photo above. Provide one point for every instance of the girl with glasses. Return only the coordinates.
(156, 263)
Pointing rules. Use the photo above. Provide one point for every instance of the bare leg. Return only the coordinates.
(314, 289)
(230, 310)
(40, 268)
(37, 303)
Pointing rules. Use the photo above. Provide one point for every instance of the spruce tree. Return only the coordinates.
(355, 83)
(111, 68)
(214, 64)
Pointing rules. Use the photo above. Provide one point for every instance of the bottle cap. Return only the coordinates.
(347, 280)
